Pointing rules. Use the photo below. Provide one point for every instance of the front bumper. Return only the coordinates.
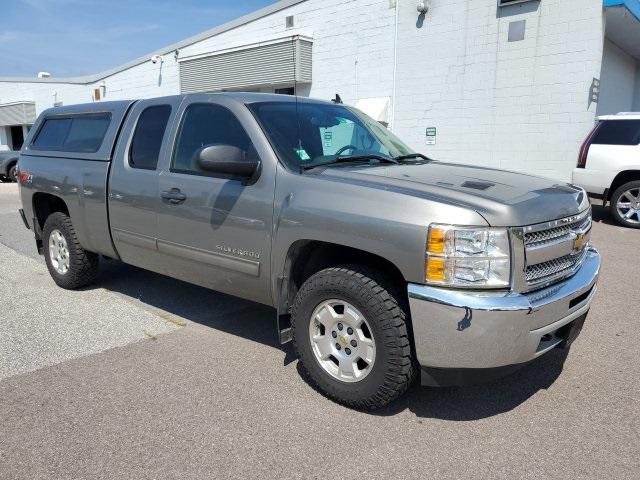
(472, 330)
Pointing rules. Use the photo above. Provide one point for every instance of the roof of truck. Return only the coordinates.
(122, 105)
(621, 116)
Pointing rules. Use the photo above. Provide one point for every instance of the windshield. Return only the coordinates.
(309, 134)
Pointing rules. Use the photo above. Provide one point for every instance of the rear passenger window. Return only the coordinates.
(617, 132)
(147, 139)
(75, 133)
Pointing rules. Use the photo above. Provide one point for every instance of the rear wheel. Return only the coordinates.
(12, 174)
(351, 335)
(70, 265)
(625, 204)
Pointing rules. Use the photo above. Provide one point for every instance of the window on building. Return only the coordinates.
(77, 133)
(617, 132)
(285, 91)
(289, 22)
(147, 139)
(504, 3)
(204, 125)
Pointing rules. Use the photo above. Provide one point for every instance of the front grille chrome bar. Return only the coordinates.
(552, 251)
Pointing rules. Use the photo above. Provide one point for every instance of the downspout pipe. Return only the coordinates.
(395, 67)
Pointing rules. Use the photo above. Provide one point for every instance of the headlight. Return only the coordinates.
(468, 257)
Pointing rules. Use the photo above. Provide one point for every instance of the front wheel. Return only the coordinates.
(351, 335)
(70, 265)
(625, 204)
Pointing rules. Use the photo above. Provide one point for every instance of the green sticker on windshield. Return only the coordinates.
(302, 153)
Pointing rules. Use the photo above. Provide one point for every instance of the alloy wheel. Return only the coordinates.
(59, 252)
(342, 341)
(628, 205)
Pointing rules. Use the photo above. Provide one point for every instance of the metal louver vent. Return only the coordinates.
(19, 113)
(282, 62)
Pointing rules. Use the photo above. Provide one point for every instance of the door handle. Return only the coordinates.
(174, 196)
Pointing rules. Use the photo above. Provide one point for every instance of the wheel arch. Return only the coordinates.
(11, 163)
(620, 179)
(44, 204)
(304, 258)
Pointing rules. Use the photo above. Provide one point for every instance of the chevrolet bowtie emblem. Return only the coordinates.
(578, 243)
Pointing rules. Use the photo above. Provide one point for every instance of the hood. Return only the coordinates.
(503, 198)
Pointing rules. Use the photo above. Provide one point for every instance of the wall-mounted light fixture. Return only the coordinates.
(423, 6)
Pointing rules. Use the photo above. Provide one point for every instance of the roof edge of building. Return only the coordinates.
(632, 5)
(212, 32)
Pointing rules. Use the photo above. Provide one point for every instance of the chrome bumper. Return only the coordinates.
(457, 329)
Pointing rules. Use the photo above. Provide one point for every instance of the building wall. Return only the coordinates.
(636, 96)
(618, 80)
(4, 138)
(352, 44)
(520, 105)
(42, 93)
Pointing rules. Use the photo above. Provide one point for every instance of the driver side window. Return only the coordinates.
(205, 124)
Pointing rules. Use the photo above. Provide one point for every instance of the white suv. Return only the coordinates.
(609, 166)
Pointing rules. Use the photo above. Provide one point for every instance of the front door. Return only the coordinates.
(214, 230)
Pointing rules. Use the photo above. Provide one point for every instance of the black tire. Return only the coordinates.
(83, 265)
(393, 370)
(12, 174)
(614, 201)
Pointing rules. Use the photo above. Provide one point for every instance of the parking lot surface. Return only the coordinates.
(143, 376)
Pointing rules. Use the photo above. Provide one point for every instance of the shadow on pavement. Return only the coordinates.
(603, 215)
(485, 400)
(257, 323)
(233, 315)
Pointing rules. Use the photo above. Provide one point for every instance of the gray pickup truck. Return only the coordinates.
(8, 165)
(381, 264)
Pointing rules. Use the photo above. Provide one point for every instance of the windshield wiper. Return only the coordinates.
(412, 155)
(355, 158)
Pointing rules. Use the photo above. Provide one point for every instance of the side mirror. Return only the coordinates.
(227, 160)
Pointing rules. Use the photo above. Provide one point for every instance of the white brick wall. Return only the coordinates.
(618, 80)
(520, 105)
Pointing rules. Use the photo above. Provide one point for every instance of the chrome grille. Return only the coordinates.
(546, 235)
(553, 251)
(562, 266)
(552, 234)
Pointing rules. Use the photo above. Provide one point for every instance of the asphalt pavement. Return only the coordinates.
(143, 376)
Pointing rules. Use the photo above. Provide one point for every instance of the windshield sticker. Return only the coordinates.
(302, 153)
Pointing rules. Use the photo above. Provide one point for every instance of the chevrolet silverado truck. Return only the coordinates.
(381, 264)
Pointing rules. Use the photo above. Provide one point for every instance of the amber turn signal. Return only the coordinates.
(435, 243)
(435, 270)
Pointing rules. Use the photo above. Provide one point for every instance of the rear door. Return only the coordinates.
(219, 233)
(133, 188)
